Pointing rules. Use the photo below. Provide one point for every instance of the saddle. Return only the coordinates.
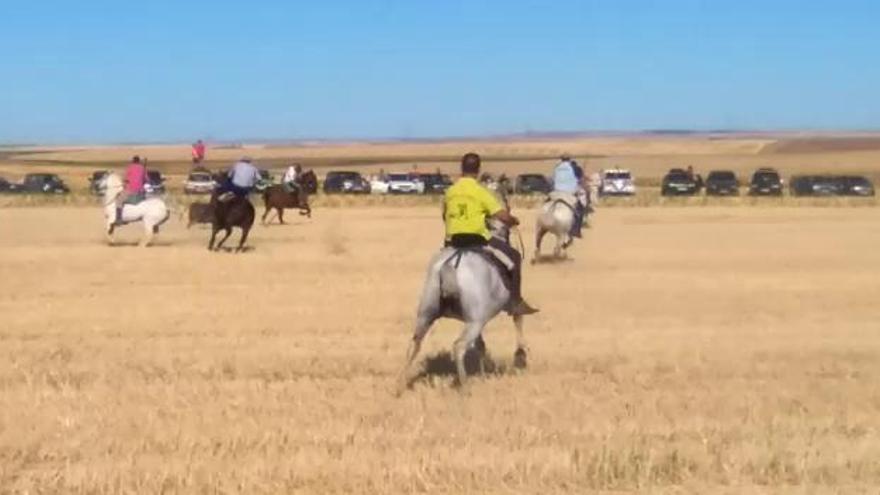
(567, 199)
(487, 253)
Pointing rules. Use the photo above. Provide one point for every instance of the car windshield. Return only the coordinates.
(344, 175)
(722, 175)
(200, 177)
(154, 176)
(767, 176)
(264, 174)
(398, 177)
(678, 176)
(617, 175)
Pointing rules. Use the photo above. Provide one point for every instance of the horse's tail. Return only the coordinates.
(448, 281)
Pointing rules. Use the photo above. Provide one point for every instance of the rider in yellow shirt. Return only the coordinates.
(467, 206)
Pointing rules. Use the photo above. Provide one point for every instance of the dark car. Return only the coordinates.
(8, 187)
(814, 185)
(345, 182)
(722, 183)
(44, 184)
(853, 185)
(155, 183)
(766, 182)
(435, 183)
(678, 182)
(532, 184)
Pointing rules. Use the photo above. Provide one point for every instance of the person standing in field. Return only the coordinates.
(135, 180)
(198, 152)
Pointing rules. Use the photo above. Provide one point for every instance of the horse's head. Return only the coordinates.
(112, 186)
(308, 180)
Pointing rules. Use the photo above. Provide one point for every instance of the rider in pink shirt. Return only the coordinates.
(135, 179)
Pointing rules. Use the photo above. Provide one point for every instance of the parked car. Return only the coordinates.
(345, 182)
(677, 182)
(722, 183)
(852, 185)
(8, 187)
(435, 183)
(617, 182)
(766, 182)
(532, 184)
(155, 183)
(405, 184)
(199, 182)
(96, 182)
(42, 183)
(814, 185)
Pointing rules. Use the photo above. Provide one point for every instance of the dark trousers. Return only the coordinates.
(499, 250)
(241, 192)
(578, 224)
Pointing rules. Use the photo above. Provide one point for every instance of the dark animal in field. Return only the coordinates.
(236, 212)
(200, 213)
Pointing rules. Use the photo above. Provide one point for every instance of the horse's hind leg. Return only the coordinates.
(539, 236)
(472, 330)
(148, 234)
(280, 215)
(520, 355)
(225, 236)
(423, 324)
(265, 214)
(244, 235)
(214, 231)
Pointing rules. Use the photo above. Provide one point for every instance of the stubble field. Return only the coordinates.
(729, 350)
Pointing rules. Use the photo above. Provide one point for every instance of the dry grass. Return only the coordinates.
(698, 350)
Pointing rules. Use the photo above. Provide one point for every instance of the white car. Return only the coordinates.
(199, 183)
(397, 184)
(617, 182)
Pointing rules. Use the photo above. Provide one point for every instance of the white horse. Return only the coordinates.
(556, 217)
(151, 211)
(465, 285)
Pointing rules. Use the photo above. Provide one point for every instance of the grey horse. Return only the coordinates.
(466, 285)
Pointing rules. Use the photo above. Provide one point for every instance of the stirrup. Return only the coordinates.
(226, 197)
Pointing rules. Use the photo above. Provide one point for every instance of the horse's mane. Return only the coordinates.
(113, 182)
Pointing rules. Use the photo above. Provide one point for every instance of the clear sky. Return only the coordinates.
(114, 70)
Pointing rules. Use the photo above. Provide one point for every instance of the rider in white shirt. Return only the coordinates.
(290, 176)
(568, 178)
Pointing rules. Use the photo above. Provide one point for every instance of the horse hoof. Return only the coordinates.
(520, 360)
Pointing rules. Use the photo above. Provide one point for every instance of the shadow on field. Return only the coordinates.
(477, 361)
(128, 244)
(549, 259)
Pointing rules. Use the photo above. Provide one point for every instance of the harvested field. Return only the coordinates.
(696, 350)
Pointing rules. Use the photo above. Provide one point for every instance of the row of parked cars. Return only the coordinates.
(764, 182)
(612, 182)
(38, 183)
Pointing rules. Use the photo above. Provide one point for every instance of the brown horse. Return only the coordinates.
(237, 212)
(279, 198)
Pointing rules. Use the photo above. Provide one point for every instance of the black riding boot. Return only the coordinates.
(118, 220)
(578, 223)
(517, 306)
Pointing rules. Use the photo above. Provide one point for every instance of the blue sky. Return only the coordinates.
(161, 70)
